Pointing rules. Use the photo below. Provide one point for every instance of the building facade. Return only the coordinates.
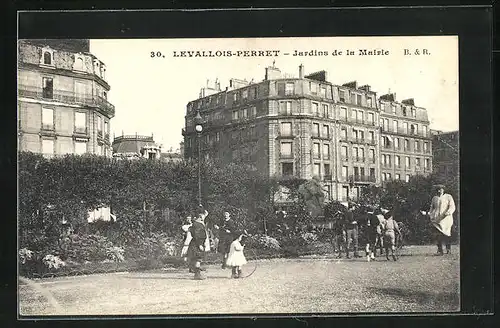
(446, 154)
(289, 126)
(406, 141)
(62, 99)
(135, 147)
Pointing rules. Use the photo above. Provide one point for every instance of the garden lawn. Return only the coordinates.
(418, 282)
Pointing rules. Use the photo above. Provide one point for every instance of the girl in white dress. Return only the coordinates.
(236, 258)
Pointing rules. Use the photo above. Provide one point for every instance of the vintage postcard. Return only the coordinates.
(238, 176)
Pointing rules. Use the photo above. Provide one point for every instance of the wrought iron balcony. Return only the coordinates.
(362, 178)
(67, 97)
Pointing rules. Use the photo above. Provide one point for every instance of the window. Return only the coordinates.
(235, 96)
(389, 176)
(345, 193)
(361, 135)
(405, 127)
(412, 129)
(356, 171)
(396, 143)
(79, 63)
(407, 144)
(99, 125)
(397, 161)
(48, 88)
(326, 131)
(362, 171)
(106, 127)
(316, 153)
(79, 91)
(47, 58)
(424, 131)
(327, 169)
(358, 100)
(417, 145)
(393, 107)
(315, 131)
(345, 171)
(328, 192)
(355, 134)
(395, 126)
(382, 123)
(407, 178)
(384, 176)
(253, 111)
(413, 112)
(417, 162)
(48, 118)
(359, 116)
(407, 164)
(316, 168)
(326, 112)
(371, 118)
(342, 95)
(235, 114)
(372, 172)
(287, 168)
(372, 155)
(244, 94)
(362, 154)
(48, 146)
(404, 111)
(245, 112)
(313, 87)
(344, 152)
(217, 136)
(372, 136)
(426, 147)
(343, 112)
(289, 87)
(286, 149)
(323, 92)
(343, 133)
(427, 163)
(355, 153)
(286, 129)
(286, 108)
(369, 102)
(81, 122)
(254, 92)
(397, 176)
(353, 114)
(315, 109)
(386, 124)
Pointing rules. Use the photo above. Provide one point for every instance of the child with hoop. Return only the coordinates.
(236, 259)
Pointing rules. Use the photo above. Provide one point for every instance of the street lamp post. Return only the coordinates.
(199, 129)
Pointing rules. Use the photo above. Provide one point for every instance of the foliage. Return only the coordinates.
(116, 254)
(263, 242)
(53, 262)
(82, 248)
(25, 255)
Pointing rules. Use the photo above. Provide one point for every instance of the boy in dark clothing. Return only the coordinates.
(352, 231)
(227, 231)
(196, 251)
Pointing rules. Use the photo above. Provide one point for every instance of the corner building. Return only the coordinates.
(289, 126)
(62, 99)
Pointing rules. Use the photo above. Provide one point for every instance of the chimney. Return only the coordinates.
(301, 71)
(272, 73)
(365, 87)
(389, 97)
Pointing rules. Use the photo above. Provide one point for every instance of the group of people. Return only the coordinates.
(381, 230)
(197, 243)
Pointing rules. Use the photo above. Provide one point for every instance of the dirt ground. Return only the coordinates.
(417, 282)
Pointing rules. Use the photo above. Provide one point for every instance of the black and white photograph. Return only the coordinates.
(224, 176)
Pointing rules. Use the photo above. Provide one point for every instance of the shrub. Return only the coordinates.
(263, 242)
(25, 255)
(86, 248)
(115, 254)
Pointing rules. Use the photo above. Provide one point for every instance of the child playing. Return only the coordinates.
(390, 229)
(236, 258)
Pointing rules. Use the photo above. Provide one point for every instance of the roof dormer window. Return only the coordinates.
(47, 58)
(79, 63)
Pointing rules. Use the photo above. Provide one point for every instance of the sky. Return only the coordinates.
(151, 93)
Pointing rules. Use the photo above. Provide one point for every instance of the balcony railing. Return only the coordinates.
(67, 97)
(328, 177)
(362, 178)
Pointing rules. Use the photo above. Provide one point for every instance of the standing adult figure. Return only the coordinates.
(372, 223)
(227, 230)
(351, 230)
(196, 250)
(204, 213)
(441, 216)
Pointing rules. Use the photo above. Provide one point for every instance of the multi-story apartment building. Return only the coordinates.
(62, 99)
(289, 126)
(406, 142)
(445, 149)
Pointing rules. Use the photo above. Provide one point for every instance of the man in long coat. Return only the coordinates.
(196, 250)
(441, 216)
